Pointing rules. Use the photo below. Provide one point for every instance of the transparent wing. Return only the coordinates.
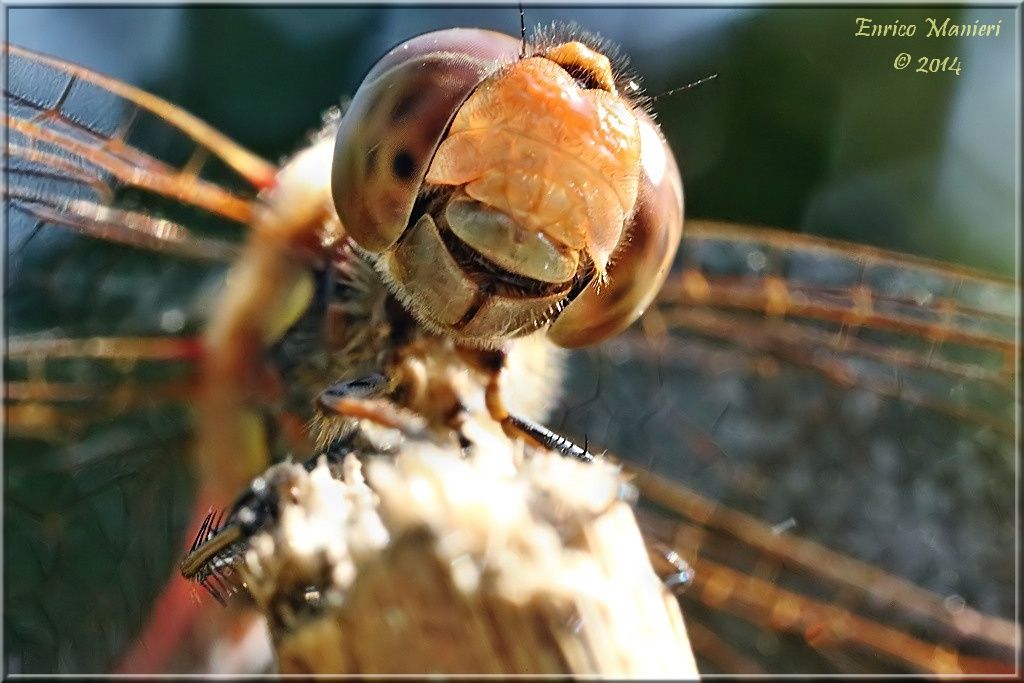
(826, 431)
(122, 212)
(926, 333)
(82, 148)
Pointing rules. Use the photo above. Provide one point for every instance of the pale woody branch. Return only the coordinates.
(508, 560)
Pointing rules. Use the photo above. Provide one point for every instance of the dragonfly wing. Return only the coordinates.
(857, 399)
(103, 158)
(123, 211)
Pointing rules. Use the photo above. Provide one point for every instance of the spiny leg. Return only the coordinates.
(344, 398)
(544, 437)
(222, 533)
(675, 573)
(492, 362)
(363, 399)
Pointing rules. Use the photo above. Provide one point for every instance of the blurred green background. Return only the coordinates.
(807, 128)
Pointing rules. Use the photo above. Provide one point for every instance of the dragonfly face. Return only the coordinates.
(492, 184)
(721, 384)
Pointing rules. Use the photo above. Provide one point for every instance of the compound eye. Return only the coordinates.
(642, 262)
(396, 120)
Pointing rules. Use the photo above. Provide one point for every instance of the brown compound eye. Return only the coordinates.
(403, 165)
(643, 261)
(395, 122)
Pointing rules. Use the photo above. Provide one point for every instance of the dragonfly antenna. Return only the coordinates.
(688, 86)
(522, 32)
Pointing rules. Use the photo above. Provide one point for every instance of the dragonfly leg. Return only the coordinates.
(492, 363)
(675, 573)
(544, 437)
(363, 399)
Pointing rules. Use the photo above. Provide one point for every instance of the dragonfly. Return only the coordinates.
(777, 405)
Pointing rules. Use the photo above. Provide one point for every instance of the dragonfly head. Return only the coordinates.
(499, 194)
